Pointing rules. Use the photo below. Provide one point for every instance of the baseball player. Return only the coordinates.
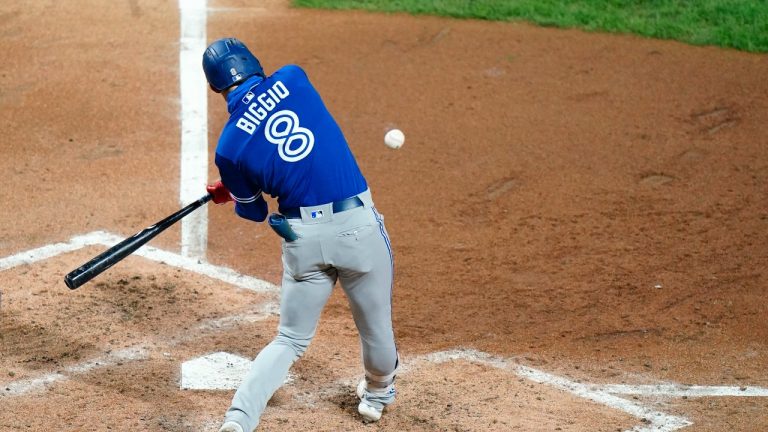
(281, 140)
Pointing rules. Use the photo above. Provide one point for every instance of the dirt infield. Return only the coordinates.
(579, 220)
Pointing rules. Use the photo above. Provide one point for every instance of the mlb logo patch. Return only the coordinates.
(316, 214)
(247, 98)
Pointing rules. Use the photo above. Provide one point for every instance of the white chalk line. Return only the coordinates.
(102, 238)
(36, 384)
(682, 390)
(656, 421)
(605, 394)
(39, 254)
(193, 89)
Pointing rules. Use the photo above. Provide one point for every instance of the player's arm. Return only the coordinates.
(249, 202)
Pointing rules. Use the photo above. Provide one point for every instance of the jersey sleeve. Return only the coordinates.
(249, 202)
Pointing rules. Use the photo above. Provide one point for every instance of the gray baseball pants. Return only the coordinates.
(352, 247)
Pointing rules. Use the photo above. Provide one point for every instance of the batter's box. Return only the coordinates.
(149, 300)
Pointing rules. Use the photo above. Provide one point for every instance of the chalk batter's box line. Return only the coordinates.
(102, 238)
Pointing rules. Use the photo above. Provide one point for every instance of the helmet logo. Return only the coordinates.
(233, 71)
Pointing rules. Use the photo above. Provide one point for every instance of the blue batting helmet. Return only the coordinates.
(228, 62)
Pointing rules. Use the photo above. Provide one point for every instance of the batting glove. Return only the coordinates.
(220, 193)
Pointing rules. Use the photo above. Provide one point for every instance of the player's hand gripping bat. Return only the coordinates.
(113, 255)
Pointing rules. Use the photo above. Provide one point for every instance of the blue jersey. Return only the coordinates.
(281, 140)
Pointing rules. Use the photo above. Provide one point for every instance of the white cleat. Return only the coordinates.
(368, 412)
(231, 426)
(373, 401)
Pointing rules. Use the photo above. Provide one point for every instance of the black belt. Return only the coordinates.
(338, 207)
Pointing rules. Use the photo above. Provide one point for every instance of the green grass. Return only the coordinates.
(739, 24)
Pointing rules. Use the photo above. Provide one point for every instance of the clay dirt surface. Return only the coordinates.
(587, 205)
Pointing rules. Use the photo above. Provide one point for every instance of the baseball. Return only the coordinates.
(394, 138)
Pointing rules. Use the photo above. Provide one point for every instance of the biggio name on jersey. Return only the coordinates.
(264, 104)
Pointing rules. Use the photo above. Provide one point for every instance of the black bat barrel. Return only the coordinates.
(113, 255)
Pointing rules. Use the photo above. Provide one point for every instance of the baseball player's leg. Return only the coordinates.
(366, 276)
(372, 311)
(301, 303)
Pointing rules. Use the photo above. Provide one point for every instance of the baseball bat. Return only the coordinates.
(113, 255)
